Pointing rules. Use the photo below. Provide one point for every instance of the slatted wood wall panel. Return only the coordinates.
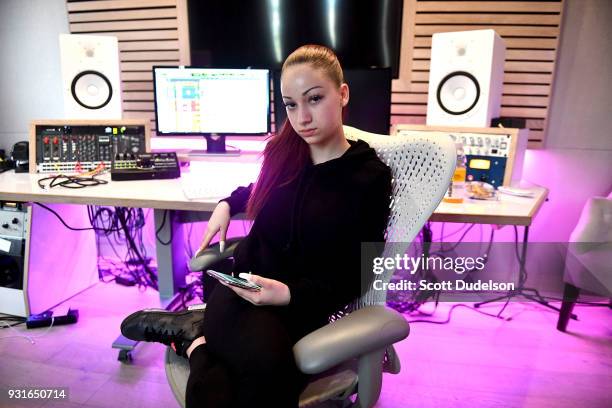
(150, 32)
(530, 30)
(154, 32)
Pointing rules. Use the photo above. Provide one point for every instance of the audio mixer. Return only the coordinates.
(71, 146)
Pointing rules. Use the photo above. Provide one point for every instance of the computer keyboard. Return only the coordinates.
(207, 180)
(199, 189)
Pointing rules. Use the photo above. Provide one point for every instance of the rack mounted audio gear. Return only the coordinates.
(494, 155)
(76, 146)
(145, 166)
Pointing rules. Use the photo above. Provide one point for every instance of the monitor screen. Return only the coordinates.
(200, 101)
(262, 33)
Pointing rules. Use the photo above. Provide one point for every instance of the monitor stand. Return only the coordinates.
(215, 146)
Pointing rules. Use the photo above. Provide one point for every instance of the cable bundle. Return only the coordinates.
(124, 226)
(82, 180)
(410, 302)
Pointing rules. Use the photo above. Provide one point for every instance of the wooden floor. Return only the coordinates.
(474, 361)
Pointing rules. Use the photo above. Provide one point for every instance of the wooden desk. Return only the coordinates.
(508, 210)
(157, 194)
(162, 195)
(168, 195)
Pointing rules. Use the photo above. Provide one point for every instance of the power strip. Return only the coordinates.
(46, 319)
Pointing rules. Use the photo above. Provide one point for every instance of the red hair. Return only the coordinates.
(286, 154)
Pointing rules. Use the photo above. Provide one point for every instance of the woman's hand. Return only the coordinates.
(218, 222)
(272, 293)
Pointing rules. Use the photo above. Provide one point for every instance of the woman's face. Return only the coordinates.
(314, 103)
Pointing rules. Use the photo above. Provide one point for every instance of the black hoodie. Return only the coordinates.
(309, 233)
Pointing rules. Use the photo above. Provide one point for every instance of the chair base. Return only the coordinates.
(322, 390)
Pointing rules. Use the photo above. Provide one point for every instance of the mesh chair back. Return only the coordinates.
(422, 167)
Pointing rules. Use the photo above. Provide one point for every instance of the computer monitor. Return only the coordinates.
(211, 102)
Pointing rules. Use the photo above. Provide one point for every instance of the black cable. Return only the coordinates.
(112, 223)
(152, 278)
(414, 306)
(72, 182)
(450, 234)
(10, 318)
(124, 226)
(64, 223)
(460, 240)
(420, 297)
(578, 302)
(137, 253)
(102, 212)
(157, 231)
(6, 326)
(95, 219)
(139, 226)
(113, 264)
(4, 316)
(448, 317)
(523, 272)
(188, 248)
(163, 223)
(130, 256)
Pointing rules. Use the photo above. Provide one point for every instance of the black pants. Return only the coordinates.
(247, 360)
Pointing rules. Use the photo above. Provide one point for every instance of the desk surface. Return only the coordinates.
(508, 210)
(168, 194)
(158, 194)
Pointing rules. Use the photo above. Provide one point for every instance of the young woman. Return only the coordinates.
(317, 198)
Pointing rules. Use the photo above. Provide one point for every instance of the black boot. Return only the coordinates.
(175, 329)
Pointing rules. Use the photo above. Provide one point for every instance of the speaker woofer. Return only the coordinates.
(91, 89)
(458, 93)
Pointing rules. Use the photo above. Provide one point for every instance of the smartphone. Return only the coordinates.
(230, 280)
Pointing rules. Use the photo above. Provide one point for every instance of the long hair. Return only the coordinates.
(286, 154)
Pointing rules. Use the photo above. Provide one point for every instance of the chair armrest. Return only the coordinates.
(212, 255)
(362, 331)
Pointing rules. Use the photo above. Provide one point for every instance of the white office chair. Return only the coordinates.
(349, 355)
(587, 264)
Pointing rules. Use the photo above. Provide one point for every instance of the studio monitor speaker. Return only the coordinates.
(90, 76)
(466, 77)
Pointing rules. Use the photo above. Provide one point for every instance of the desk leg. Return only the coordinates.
(528, 293)
(171, 258)
(171, 270)
(522, 277)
